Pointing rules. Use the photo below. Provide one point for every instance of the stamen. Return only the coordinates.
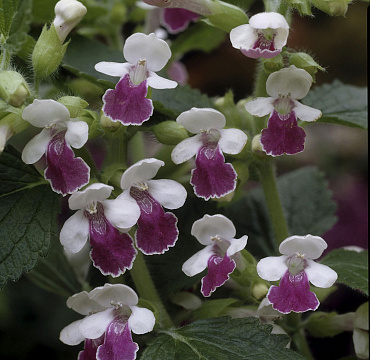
(141, 185)
(92, 208)
(138, 73)
(216, 238)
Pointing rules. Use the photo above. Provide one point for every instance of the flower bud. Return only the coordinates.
(321, 324)
(11, 124)
(47, 53)
(361, 331)
(259, 290)
(332, 7)
(5, 133)
(68, 13)
(273, 64)
(306, 62)
(170, 132)
(257, 146)
(13, 88)
(107, 123)
(74, 104)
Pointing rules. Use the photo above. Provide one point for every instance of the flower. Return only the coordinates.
(157, 230)
(111, 313)
(212, 177)
(203, 7)
(217, 233)
(296, 269)
(264, 36)
(68, 13)
(176, 20)
(285, 87)
(127, 103)
(97, 219)
(65, 173)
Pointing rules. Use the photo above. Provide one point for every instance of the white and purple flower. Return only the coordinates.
(65, 173)
(97, 220)
(264, 36)
(127, 103)
(111, 313)
(157, 230)
(176, 20)
(220, 255)
(212, 177)
(285, 87)
(296, 269)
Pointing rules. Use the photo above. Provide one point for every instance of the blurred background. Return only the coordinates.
(31, 318)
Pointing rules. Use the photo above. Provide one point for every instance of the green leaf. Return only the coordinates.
(28, 210)
(340, 104)
(351, 267)
(198, 37)
(307, 204)
(8, 9)
(20, 27)
(221, 339)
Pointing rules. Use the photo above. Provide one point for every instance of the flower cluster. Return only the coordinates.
(115, 222)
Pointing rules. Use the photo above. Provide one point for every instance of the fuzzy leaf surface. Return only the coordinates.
(340, 104)
(28, 211)
(221, 339)
(351, 267)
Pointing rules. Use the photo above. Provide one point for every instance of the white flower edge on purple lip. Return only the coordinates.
(217, 233)
(264, 36)
(212, 177)
(145, 55)
(64, 171)
(285, 87)
(296, 269)
(98, 220)
(106, 307)
(157, 230)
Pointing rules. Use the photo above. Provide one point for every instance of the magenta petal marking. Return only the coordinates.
(128, 103)
(212, 177)
(177, 20)
(118, 343)
(219, 270)
(65, 173)
(157, 231)
(283, 135)
(112, 252)
(91, 347)
(293, 294)
(258, 53)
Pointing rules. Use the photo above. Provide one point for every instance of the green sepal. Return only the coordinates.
(302, 6)
(274, 64)
(48, 52)
(306, 62)
(74, 104)
(169, 132)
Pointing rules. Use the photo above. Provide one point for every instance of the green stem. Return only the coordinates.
(268, 181)
(146, 289)
(4, 59)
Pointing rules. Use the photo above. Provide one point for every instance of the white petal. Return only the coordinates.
(75, 232)
(320, 275)
(122, 212)
(361, 343)
(36, 147)
(77, 134)
(237, 245)
(155, 51)
(272, 268)
(291, 82)
(80, 262)
(45, 112)
(310, 246)
(95, 325)
(213, 225)
(113, 68)
(168, 193)
(232, 141)
(82, 304)
(198, 262)
(141, 321)
(116, 293)
(260, 106)
(141, 171)
(95, 192)
(281, 37)
(186, 149)
(306, 113)
(157, 82)
(268, 20)
(243, 37)
(71, 335)
(195, 120)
